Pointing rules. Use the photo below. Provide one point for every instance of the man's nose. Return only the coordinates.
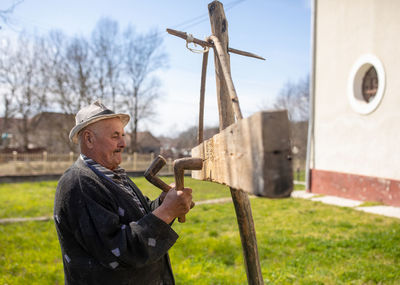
(122, 143)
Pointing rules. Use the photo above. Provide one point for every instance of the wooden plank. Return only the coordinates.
(252, 155)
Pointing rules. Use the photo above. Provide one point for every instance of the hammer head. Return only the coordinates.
(188, 163)
(151, 172)
(182, 164)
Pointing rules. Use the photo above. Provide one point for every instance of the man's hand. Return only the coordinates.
(163, 194)
(174, 204)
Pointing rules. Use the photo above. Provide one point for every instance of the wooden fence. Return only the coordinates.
(53, 163)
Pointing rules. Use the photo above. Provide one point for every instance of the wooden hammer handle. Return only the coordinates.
(179, 185)
(151, 175)
(180, 165)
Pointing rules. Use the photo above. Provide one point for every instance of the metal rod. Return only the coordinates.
(184, 36)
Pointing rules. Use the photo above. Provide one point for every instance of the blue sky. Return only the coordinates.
(278, 30)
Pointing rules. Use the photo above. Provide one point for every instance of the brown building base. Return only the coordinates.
(357, 187)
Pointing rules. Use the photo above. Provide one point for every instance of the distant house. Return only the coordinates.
(9, 133)
(49, 132)
(146, 143)
(355, 130)
(52, 131)
(298, 137)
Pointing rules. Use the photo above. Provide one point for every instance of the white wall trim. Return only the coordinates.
(354, 85)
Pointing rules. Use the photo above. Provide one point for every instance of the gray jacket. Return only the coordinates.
(104, 237)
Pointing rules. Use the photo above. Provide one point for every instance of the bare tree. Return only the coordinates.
(142, 57)
(304, 98)
(79, 71)
(57, 69)
(5, 13)
(106, 45)
(187, 139)
(54, 62)
(294, 97)
(116, 67)
(7, 88)
(69, 67)
(7, 91)
(25, 82)
(110, 67)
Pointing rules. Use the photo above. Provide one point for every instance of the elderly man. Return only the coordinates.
(108, 231)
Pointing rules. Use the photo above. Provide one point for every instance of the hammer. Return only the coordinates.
(151, 172)
(179, 166)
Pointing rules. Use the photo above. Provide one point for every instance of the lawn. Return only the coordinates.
(300, 241)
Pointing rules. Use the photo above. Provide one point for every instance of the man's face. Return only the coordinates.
(108, 142)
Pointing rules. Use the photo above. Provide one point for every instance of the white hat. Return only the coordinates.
(93, 113)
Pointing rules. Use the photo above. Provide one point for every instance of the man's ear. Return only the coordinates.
(88, 138)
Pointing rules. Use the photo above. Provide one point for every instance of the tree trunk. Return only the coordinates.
(134, 146)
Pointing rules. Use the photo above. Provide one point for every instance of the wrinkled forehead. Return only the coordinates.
(108, 126)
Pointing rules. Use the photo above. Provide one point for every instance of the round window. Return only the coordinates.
(370, 84)
(366, 84)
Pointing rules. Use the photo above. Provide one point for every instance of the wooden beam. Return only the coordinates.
(252, 155)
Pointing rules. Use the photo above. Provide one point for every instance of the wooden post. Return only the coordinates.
(169, 164)
(45, 162)
(219, 28)
(134, 161)
(15, 159)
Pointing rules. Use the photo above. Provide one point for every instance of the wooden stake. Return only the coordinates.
(200, 136)
(219, 27)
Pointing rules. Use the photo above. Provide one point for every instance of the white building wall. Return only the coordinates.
(346, 141)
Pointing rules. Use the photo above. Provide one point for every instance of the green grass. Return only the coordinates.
(300, 241)
(27, 199)
(30, 254)
(299, 176)
(299, 187)
(202, 190)
(37, 199)
(371, 204)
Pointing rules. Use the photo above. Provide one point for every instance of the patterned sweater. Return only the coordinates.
(104, 236)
